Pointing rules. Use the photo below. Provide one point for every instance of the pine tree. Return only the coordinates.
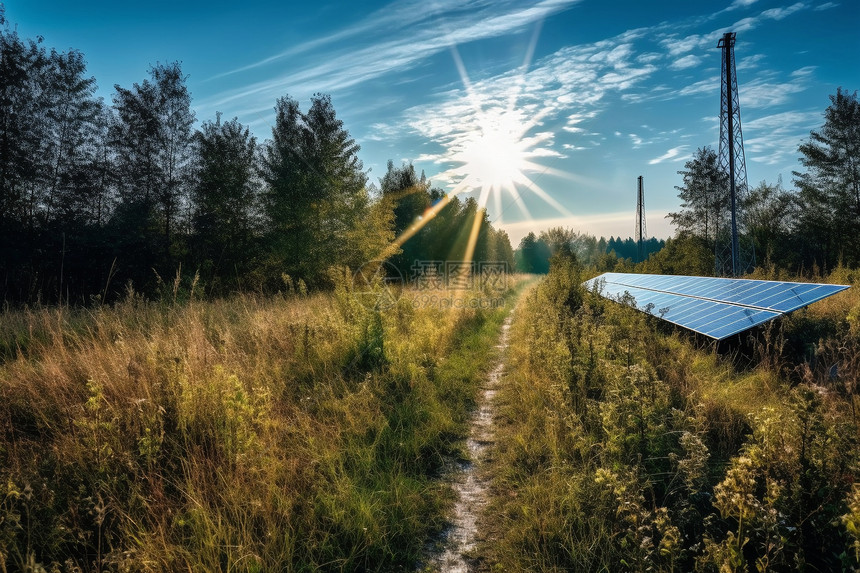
(408, 197)
(829, 190)
(152, 142)
(222, 200)
(318, 212)
(704, 196)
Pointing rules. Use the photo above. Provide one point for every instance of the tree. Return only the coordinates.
(22, 66)
(770, 211)
(409, 194)
(533, 255)
(317, 210)
(559, 237)
(223, 198)
(73, 139)
(152, 140)
(51, 168)
(409, 198)
(502, 251)
(439, 236)
(829, 190)
(685, 254)
(704, 196)
(287, 198)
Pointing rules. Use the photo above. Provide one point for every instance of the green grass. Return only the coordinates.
(304, 433)
(623, 449)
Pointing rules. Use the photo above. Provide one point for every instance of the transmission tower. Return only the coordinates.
(734, 251)
(640, 222)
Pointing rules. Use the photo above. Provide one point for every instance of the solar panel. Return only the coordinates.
(715, 307)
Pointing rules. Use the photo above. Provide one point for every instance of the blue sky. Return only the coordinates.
(545, 110)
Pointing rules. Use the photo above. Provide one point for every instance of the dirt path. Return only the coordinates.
(470, 482)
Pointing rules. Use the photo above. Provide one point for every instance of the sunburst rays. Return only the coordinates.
(494, 150)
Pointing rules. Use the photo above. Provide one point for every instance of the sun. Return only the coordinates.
(494, 154)
(494, 146)
(491, 151)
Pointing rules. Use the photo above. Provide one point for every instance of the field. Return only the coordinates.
(627, 446)
(302, 432)
(308, 432)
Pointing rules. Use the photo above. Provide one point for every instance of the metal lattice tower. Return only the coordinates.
(641, 234)
(734, 251)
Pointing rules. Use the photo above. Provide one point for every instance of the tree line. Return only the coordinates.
(96, 198)
(535, 251)
(808, 230)
(812, 228)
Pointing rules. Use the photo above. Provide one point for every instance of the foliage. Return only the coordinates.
(152, 142)
(315, 195)
(829, 189)
(95, 197)
(704, 196)
(432, 228)
(685, 254)
(770, 213)
(296, 433)
(623, 448)
(52, 173)
(534, 253)
(814, 226)
(225, 189)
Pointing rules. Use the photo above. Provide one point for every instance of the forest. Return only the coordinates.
(98, 198)
(192, 379)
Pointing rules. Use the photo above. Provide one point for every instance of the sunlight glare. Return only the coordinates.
(492, 147)
(495, 154)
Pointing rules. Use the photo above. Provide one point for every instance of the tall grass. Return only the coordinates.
(298, 433)
(621, 448)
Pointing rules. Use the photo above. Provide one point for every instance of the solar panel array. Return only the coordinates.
(715, 307)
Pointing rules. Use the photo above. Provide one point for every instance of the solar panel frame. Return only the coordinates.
(713, 306)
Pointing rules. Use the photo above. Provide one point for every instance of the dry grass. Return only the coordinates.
(621, 448)
(251, 434)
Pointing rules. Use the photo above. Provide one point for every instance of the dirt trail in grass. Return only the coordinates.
(470, 479)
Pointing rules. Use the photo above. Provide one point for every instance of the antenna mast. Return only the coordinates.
(734, 253)
(640, 222)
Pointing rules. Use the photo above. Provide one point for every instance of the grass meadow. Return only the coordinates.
(304, 432)
(311, 432)
(626, 446)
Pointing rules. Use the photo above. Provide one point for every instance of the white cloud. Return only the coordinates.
(785, 120)
(568, 86)
(677, 46)
(669, 155)
(707, 86)
(741, 4)
(773, 139)
(333, 68)
(381, 132)
(689, 61)
(766, 91)
(784, 12)
(753, 22)
(749, 62)
(430, 158)
(649, 57)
